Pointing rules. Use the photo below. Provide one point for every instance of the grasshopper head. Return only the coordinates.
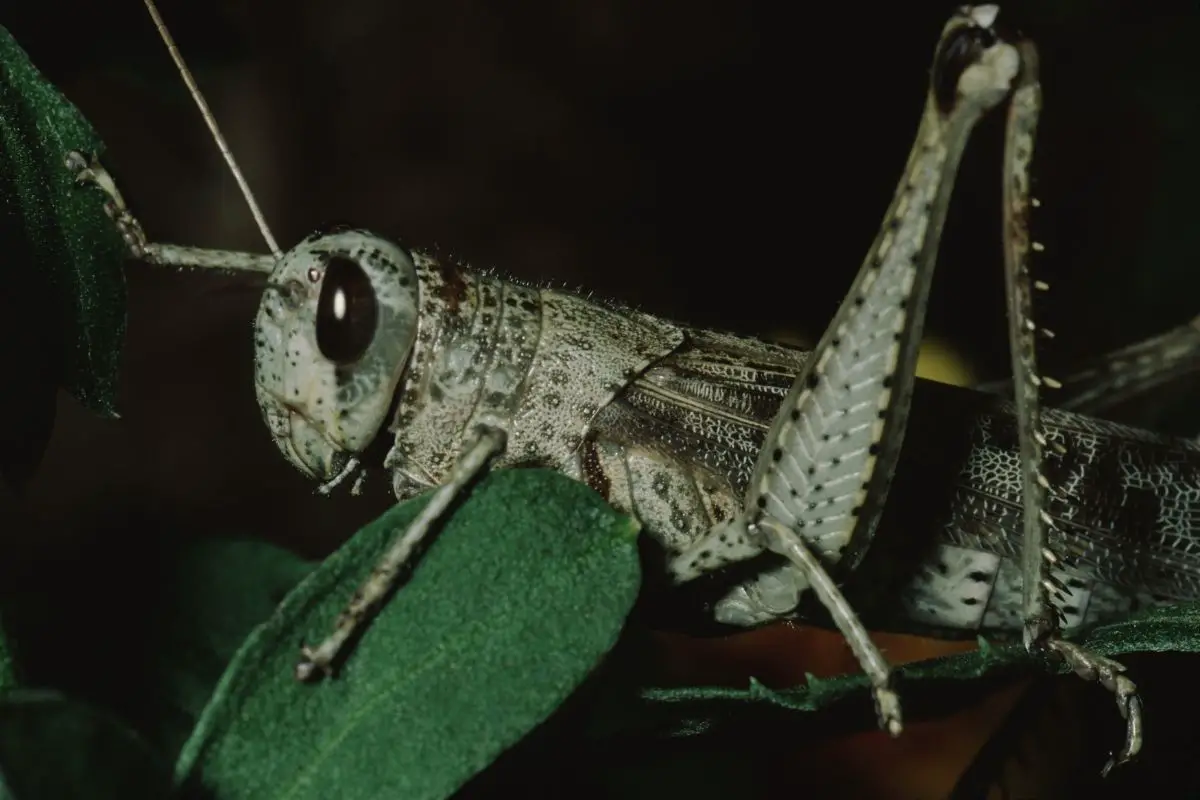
(334, 330)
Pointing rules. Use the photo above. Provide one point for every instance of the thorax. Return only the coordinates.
(539, 363)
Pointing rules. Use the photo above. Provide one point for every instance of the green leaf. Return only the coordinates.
(220, 591)
(52, 748)
(62, 312)
(923, 684)
(522, 593)
(184, 608)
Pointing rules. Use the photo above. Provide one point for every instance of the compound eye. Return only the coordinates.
(961, 49)
(347, 312)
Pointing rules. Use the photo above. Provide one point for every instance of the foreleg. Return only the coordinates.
(89, 171)
(315, 661)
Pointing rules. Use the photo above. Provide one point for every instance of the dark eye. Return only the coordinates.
(346, 312)
(962, 49)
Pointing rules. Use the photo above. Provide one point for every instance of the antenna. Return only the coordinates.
(211, 121)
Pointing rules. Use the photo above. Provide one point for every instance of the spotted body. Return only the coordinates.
(667, 423)
(733, 451)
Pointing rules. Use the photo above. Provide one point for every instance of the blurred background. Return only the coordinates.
(721, 164)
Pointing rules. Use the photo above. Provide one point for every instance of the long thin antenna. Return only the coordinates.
(212, 126)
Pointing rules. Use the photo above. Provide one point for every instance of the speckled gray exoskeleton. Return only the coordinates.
(733, 451)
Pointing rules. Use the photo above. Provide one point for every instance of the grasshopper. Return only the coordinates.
(742, 458)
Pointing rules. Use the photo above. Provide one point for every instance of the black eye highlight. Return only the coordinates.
(347, 312)
(961, 50)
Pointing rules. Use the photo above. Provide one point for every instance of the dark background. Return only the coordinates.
(722, 164)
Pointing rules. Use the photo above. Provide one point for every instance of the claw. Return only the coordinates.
(88, 171)
(1109, 674)
(311, 665)
(887, 706)
(1129, 703)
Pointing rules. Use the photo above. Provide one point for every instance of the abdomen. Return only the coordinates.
(678, 445)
